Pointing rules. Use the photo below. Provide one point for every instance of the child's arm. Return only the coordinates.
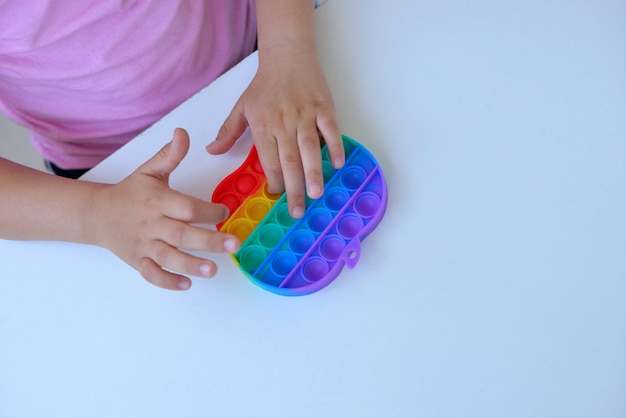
(286, 104)
(141, 219)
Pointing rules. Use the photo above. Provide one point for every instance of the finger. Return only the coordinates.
(169, 157)
(310, 152)
(185, 208)
(182, 235)
(327, 125)
(293, 176)
(232, 128)
(173, 259)
(154, 274)
(267, 149)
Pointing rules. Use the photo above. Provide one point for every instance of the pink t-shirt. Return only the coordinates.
(86, 76)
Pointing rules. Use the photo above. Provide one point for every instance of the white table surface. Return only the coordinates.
(495, 286)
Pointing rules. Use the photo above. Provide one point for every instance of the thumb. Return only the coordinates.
(169, 157)
(233, 127)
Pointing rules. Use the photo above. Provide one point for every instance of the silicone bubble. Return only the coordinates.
(251, 257)
(335, 198)
(301, 241)
(314, 269)
(257, 208)
(270, 235)
(294, 257)
(367, 204)
(241, 228)
(349, 226)
(246, 183)
(352, 177)
(283, 263)
(318, 220)
(332, 247)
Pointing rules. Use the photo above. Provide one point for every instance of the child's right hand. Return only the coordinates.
(147, 224)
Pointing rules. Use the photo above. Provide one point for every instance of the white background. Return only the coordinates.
(493, 287)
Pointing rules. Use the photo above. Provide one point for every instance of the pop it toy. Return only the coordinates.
(295, 257)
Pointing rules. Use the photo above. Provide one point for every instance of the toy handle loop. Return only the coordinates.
(352, 253)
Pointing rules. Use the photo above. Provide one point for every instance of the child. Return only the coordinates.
(88, 76)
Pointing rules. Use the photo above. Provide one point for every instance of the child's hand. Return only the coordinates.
(145, 223)
(286, 104)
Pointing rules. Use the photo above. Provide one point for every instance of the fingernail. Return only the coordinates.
(206, 270)
(208, 147)
(184, 284)
(231, 245)
(315, 190)
(297, 212)
(338, 162)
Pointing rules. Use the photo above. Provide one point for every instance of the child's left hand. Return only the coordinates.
(287, 105)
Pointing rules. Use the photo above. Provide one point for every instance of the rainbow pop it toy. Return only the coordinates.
(296, 257)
